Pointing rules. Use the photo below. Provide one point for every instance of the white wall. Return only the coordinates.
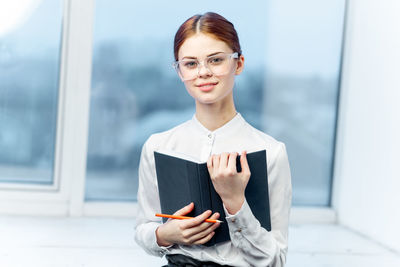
(367, 170)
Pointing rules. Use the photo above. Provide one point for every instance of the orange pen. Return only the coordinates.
(184, 217)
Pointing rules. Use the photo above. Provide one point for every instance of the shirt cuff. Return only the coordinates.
(242, 223)
(161, 250)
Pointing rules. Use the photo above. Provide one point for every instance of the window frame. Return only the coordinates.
(65, 196)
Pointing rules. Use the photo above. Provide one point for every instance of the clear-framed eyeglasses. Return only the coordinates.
(219, 64)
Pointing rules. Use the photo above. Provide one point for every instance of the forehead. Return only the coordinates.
(201, 45)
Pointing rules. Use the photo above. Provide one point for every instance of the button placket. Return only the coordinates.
(211, 138)
(207, 146)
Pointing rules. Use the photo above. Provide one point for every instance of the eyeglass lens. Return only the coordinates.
(218, 65)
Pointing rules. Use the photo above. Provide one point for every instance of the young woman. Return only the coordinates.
(208, 57)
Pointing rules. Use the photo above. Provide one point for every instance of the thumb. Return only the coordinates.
(185, 210)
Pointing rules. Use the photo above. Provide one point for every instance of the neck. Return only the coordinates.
(213, 116)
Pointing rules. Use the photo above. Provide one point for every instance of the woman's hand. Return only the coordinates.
(188, 231)
(229, 184)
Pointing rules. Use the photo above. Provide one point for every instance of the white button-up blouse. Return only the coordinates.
(251, 244)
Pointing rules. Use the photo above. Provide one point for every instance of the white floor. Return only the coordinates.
(105, 242)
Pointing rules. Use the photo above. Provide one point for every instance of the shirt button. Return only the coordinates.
(209, 135)
(233, 220)
(239, 230)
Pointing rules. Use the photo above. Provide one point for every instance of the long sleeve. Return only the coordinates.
(260, 247)
(148, 205)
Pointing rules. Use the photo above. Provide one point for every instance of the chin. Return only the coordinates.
(209, 99)
(202, 97)
(206, 101)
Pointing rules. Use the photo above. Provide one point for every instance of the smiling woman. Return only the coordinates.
(216, 134)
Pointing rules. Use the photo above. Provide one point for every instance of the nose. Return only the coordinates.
(203, 70)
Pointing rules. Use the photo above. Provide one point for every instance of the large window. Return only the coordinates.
(30, 40)
(74, 142)
(288, 89)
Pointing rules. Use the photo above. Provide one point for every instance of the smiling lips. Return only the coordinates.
(205, 87)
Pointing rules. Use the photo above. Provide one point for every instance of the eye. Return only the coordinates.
(216, 60)
(190, 64)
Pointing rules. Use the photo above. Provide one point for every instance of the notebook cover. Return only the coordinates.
(182, 181)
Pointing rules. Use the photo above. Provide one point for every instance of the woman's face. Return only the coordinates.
(206, 87)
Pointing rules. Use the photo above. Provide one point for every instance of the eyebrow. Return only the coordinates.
(210, 55)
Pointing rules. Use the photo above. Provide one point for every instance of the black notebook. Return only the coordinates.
(181, 181)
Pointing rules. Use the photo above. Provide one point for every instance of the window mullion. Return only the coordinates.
(78, 60)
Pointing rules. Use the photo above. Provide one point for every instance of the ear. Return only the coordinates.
(239, 65)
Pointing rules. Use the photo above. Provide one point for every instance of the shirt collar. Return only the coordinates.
(229, 127)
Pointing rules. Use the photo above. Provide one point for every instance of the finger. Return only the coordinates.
(216, 161)
(223, 161)
(215, 216)
(194, 233)
(202, 232)
(244, 163)
(204, 225)
(204, 239)
(188, 223)
(210, 163)
(185, 210)
(201, 235)
(232, 161)
(213, 226)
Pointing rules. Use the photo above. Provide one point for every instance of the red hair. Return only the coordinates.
(209, 23)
